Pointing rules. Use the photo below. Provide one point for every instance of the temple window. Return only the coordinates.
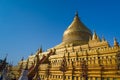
(90, 58)
(82, 58)
(73, 59)
(68, 77)
(102, 78)
(114, 79)
(65, 77)
(89, 61)
(110, 61)
(96, 78)
(108, 78)
(90, 78)
(106, 57)
(70, 60)
(76, 78)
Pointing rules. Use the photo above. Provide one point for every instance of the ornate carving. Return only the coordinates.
(63, 66)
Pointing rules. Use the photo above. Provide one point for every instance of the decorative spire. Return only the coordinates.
(40, 50)
(31, 54)
(95, 36)
(115, 43)
(103, 39)
(76, 14)
(72, 33)
(63, 66)
(4, 63)
(76, 18)
(22, 59)
(5, 58)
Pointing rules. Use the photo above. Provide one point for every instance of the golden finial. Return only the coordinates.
(31, 54)
(76, 14)
(95, 36)
(103, 39)
(76, 18)
(41, 49)
(22, 59)
(5, 58)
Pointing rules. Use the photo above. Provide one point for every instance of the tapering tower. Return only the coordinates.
(76, 33)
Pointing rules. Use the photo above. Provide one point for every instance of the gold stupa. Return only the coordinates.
(80, 56)
(76, 33)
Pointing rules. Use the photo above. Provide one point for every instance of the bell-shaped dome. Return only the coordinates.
(77, 32)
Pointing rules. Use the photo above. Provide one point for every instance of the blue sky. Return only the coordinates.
(25, 25)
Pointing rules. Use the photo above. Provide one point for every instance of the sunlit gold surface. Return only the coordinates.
(99, 58)
(77, 31)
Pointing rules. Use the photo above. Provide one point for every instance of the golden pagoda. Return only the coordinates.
(80, 56)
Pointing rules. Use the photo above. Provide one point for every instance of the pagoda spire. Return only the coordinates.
(4, 62)
(95, 36)
(76, 18)
(39, 50)
(5, 58)
(76, 14)
(74, 33)
(103, 39)
(22, 59)
(115, 43)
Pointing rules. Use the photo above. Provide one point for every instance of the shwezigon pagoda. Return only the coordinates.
(81, 55)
